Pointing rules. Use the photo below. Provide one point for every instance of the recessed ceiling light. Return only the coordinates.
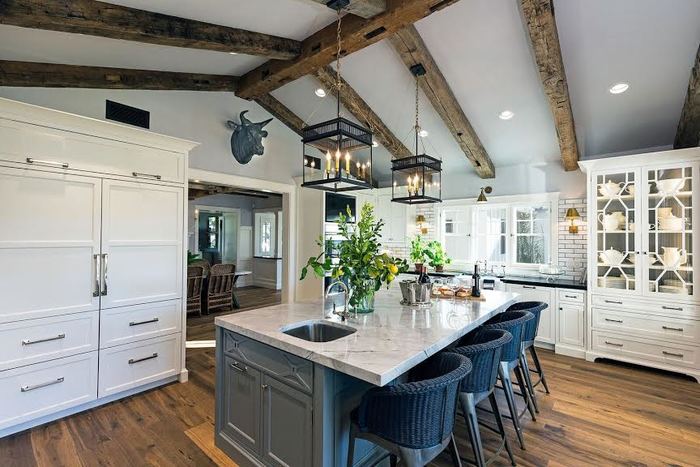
(618, 88)
(506, 115)
(233, 53)
(423, 133)
(320, 92)
(375, 144)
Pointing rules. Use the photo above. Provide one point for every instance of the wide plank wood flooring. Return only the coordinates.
(597, 415)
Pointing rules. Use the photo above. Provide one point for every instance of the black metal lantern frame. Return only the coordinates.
(337, 156)
(416, 180)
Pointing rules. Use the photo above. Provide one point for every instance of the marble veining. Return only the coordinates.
(388, 342)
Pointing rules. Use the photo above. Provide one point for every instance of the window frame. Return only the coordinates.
(275, 233)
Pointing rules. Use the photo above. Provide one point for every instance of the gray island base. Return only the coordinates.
(285, 401)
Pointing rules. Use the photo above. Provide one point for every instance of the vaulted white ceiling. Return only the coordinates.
(482, 49)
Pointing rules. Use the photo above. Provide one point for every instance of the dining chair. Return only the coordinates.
(220, 287)
(195, 277)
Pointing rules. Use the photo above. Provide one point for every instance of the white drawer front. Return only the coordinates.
(573, 296)
(671, 309)
(639, 350)
(37, 340)
(132, 365)
(37, 390)
(138, 322)
(675, 330)
(49, 147)
(547, 328)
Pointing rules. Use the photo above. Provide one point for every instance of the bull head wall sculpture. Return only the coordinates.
(246, 140)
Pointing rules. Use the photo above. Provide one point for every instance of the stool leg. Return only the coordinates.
(393, 460)
(499, 424)
(351, 445)
(504, 373)
(539, 369)
(469, 412)
(528, 380)
(454, 453)
(524, 390)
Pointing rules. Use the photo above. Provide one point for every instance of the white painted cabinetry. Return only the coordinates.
(546, 333)
(394, 215)
(92, 255)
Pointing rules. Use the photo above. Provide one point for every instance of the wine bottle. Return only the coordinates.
(476, 280)
(424, 278)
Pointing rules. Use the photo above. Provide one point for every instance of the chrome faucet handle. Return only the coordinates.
(345, 313)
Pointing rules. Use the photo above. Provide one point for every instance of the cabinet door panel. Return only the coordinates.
(142, 240)
(546, 332)
(241, 404)
(287, 420)
(49, 237)
(571, 324)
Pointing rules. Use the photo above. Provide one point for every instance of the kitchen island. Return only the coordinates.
(284, 400)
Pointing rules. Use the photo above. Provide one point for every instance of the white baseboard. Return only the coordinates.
(575, 352)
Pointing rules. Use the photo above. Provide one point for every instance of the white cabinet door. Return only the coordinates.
(571, 324)
(547, 328)
(394, 216)
(49, 244)
(141, 243)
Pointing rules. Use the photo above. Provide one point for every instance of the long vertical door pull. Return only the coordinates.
(104, 274)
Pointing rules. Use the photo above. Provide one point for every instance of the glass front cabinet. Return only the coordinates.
(642, 224)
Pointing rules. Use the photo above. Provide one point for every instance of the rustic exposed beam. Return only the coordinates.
(319, 49)
(361, 8)
(281, 112)
(51, 75)
(413, 51)
(538, 16)
(352, 101)
(688, 133)
(118, 22)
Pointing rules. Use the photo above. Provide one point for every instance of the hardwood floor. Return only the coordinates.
(597, 415)
(202, 327)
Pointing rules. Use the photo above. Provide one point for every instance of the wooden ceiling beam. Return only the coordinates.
(281, 112)
(51, 75)
(319, 49)
(688, 133)
(119, 22)
(361, 8)
(352, 101)
(541, 26)
(413, 51)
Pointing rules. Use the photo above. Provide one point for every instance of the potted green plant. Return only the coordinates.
(417, 253)
(437, 258)
(192, 257)
(360, 264)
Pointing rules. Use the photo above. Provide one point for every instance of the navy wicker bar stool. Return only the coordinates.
(484, 351)
(413, 421)
(513, 322)
(529, 334)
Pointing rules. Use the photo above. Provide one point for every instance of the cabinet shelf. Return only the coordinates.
(608, 198)
(680, 194)
(687, 231)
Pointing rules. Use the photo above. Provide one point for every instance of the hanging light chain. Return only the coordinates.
(338, 82)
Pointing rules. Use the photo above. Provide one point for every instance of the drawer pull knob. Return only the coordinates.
(236, 366)
(143, 359)
(31, 387)
(615, 302)
(529, 287)
(145, 175)
(669, 328)
(613, 320)
(614, 344)
(148, 321)
(671, 354)
(46, 339)
(63, 165)
(674, 308)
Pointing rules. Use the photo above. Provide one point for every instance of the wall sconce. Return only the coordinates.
(485, 190)
(420, 223)
(572, 215)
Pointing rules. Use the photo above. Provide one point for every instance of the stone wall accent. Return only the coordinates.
(573, 248)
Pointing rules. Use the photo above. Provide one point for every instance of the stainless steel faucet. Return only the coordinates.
(345, 314)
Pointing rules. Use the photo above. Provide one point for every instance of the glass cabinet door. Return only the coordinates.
(615, 234)
(669, 238)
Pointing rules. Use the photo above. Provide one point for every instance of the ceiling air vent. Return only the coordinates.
(126, 114)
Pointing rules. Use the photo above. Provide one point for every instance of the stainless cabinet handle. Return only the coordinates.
(63, 165)
(236, 366)
(615, 344)
(46, 339)
(674, 308)
(671, 354)
(145, 175)
(143, 359)
(613, 320)
(31, 387)
(96, 290)
(104, 274)
(529, 287)
(570, 296)
(264, 386)
(148, 321)
(668, 328)
(615, 302)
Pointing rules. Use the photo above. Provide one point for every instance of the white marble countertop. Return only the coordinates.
(388, 342)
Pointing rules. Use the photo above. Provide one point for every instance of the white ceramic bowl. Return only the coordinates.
(611, 257)
(672, 223)
(670, 185)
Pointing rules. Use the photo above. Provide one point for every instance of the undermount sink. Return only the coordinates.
(318, 331)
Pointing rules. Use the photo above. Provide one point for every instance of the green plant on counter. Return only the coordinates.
(360, 263)
(418, 246)
(192, 257)
(437, 257)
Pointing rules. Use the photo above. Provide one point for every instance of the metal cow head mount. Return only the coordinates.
(246, 140)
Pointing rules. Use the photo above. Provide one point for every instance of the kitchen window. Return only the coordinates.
(266, 234)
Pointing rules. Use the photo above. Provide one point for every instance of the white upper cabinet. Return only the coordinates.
(49, 244)
(141, 243)
(394, 215)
